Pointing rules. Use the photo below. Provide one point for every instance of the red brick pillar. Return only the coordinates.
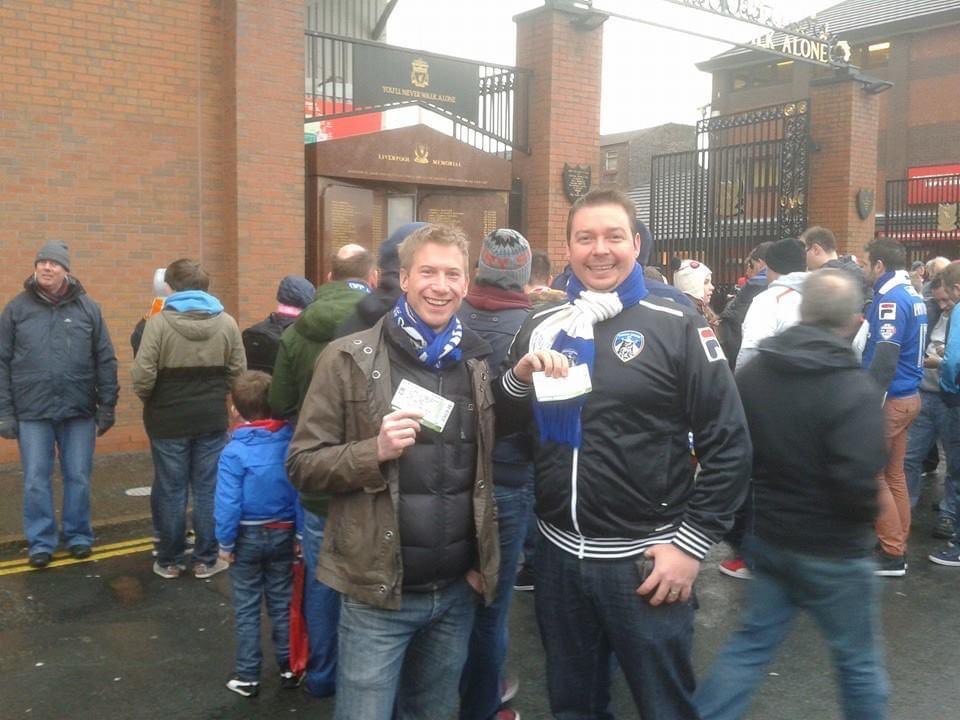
(565, 60)
(844, 125)
(265, 191)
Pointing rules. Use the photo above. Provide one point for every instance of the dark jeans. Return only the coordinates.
(480, 681)
(183, 463)
(263, 568)
(840, 594)
(321, 608)
(588, 612)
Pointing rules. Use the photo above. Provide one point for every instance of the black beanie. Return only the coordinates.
(787, 256)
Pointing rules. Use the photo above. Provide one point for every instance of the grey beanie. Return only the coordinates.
(504, 260)
(296, 290)
(55, 250)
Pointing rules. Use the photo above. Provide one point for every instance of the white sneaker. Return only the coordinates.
(201, 571)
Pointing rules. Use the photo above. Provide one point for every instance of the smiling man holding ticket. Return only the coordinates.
(625, 378)
(397, 427)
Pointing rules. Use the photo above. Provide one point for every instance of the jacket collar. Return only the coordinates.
(889, 280)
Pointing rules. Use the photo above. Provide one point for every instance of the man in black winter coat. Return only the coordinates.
(58, 390)
(818, 443)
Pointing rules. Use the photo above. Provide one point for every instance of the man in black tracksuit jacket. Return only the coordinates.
(626, 496)
(818, 441)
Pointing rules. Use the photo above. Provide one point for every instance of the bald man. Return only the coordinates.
(351, 279)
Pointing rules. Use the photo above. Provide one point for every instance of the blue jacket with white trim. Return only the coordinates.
(898, 315)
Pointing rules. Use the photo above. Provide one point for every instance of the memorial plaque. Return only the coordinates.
(416, 155)
(477, 213)
(346, 216)
(576, 181)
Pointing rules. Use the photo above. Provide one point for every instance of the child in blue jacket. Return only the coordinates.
(257, 513)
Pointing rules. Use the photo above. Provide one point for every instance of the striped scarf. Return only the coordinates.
(569, 331)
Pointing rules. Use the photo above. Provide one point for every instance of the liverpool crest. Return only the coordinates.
(419, 73)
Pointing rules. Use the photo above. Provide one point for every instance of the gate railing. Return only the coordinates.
(923, 213)
(745, 184)
(502, 92)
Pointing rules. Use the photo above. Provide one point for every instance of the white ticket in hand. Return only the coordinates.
(552, 389)
(435, 408)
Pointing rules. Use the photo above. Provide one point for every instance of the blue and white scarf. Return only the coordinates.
(437, 350)
(569, 331)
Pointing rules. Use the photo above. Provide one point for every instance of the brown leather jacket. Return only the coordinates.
(334, 450)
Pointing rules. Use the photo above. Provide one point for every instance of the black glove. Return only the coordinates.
(104, 420)
(8, 428)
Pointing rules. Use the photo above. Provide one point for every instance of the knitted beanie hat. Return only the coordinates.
(504, 260)
(690, 278)
(296, 291)
(55, 250)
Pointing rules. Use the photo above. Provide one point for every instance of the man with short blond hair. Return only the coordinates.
(411, 533)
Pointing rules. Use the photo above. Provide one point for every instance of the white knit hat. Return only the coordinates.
(690, 278)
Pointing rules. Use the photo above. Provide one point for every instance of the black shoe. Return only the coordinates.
(943, 529)
(80, 552)
(247, 688)
(288, 679)
(40, 559)
(524, 580)
(890, 565)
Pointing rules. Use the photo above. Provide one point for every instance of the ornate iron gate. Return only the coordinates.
(746, 183)
(923, 213)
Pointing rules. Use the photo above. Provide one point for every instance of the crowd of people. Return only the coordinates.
(426, 435)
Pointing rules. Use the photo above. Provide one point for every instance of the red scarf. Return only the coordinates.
(490, 297)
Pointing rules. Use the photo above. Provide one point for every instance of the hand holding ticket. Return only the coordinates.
(434, 409)
(553, 389)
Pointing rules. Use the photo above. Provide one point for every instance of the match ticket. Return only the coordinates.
(553, 389)
(435, 408)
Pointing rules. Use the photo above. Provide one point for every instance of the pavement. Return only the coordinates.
(110, 505)
(108, 639)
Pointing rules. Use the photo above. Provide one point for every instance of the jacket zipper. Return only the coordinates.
(573, 500)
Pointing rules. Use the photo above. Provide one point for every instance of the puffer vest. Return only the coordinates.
(435, 512)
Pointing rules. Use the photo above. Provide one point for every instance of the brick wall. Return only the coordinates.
(120, 133)
(843, 124)
(564, 119)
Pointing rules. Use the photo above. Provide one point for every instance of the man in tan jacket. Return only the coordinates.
(411, 535)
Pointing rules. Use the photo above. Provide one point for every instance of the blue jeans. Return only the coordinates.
(931, 425)
(321, 608)
(950, 505)
(840, 594)
(589, 612)
(263, 568)
(75, 439)
(404, 664)
(182, 463)
(480, 681)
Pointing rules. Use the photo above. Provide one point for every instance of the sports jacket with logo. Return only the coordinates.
(898, 315)
(659, 373)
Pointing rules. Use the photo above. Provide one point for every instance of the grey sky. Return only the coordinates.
(649, 75)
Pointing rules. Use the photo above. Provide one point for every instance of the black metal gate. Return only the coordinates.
(923, 213)
(745, 183)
